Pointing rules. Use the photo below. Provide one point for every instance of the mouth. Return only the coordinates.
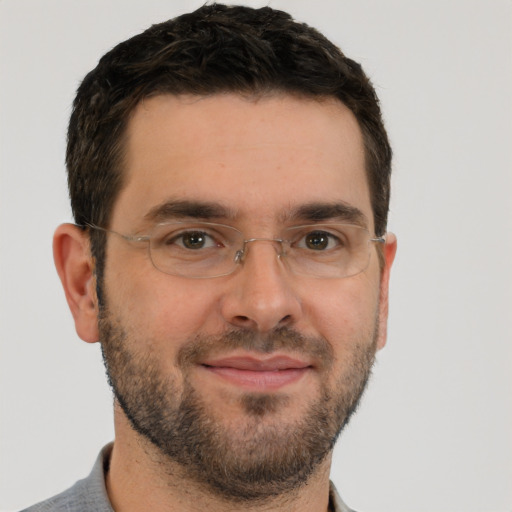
(258, 374)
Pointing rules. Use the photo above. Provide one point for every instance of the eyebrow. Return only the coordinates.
(183, 208)
(174, 209)
(321, 212)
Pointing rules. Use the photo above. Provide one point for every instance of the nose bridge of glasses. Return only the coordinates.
(241, 254)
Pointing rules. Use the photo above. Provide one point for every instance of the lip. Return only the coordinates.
(258, 374)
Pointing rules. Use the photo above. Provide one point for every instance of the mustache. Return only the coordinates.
(284, 339)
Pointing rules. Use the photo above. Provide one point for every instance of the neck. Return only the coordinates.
(140, 479)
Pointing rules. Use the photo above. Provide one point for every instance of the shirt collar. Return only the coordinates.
(96, 481)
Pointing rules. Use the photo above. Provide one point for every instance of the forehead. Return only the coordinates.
(255, 157)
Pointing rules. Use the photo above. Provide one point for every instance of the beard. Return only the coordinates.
(258, 457)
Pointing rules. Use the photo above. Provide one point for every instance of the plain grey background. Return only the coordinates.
(434, 432)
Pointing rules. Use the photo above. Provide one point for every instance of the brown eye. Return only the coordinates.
(317, 240)
(194, 239)
(191, 240)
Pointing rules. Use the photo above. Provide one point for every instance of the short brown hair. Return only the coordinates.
(215, 49)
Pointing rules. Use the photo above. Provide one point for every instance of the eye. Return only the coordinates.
(318, 241)
(193, 240)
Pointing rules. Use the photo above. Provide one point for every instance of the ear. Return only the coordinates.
(389, 256)
(75, 266)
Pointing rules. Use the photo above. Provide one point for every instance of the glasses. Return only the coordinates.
(206, 249)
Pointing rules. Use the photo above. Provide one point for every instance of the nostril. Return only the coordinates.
(286, 319)
(242, 319)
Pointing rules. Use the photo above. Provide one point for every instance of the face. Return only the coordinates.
(245, 380)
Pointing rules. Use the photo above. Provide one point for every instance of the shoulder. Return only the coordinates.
(68, 501)
(335, 502)
(87, 495)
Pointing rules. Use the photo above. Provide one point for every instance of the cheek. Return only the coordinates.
(345, 312)
(159, 308)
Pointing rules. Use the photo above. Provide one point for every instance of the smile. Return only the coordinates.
(259, 375)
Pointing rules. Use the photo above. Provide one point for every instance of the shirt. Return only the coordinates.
(90, 494)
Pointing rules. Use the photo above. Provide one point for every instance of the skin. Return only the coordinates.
(260, 158)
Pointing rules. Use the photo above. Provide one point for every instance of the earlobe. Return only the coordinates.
(74, 263)
(389, 256)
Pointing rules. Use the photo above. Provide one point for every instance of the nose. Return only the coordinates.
(261, 294)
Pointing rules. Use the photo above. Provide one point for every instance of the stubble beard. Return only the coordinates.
(257, 459)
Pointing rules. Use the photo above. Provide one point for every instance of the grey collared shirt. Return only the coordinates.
(90, 494)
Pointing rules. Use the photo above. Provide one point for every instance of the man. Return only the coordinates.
(229, 179)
